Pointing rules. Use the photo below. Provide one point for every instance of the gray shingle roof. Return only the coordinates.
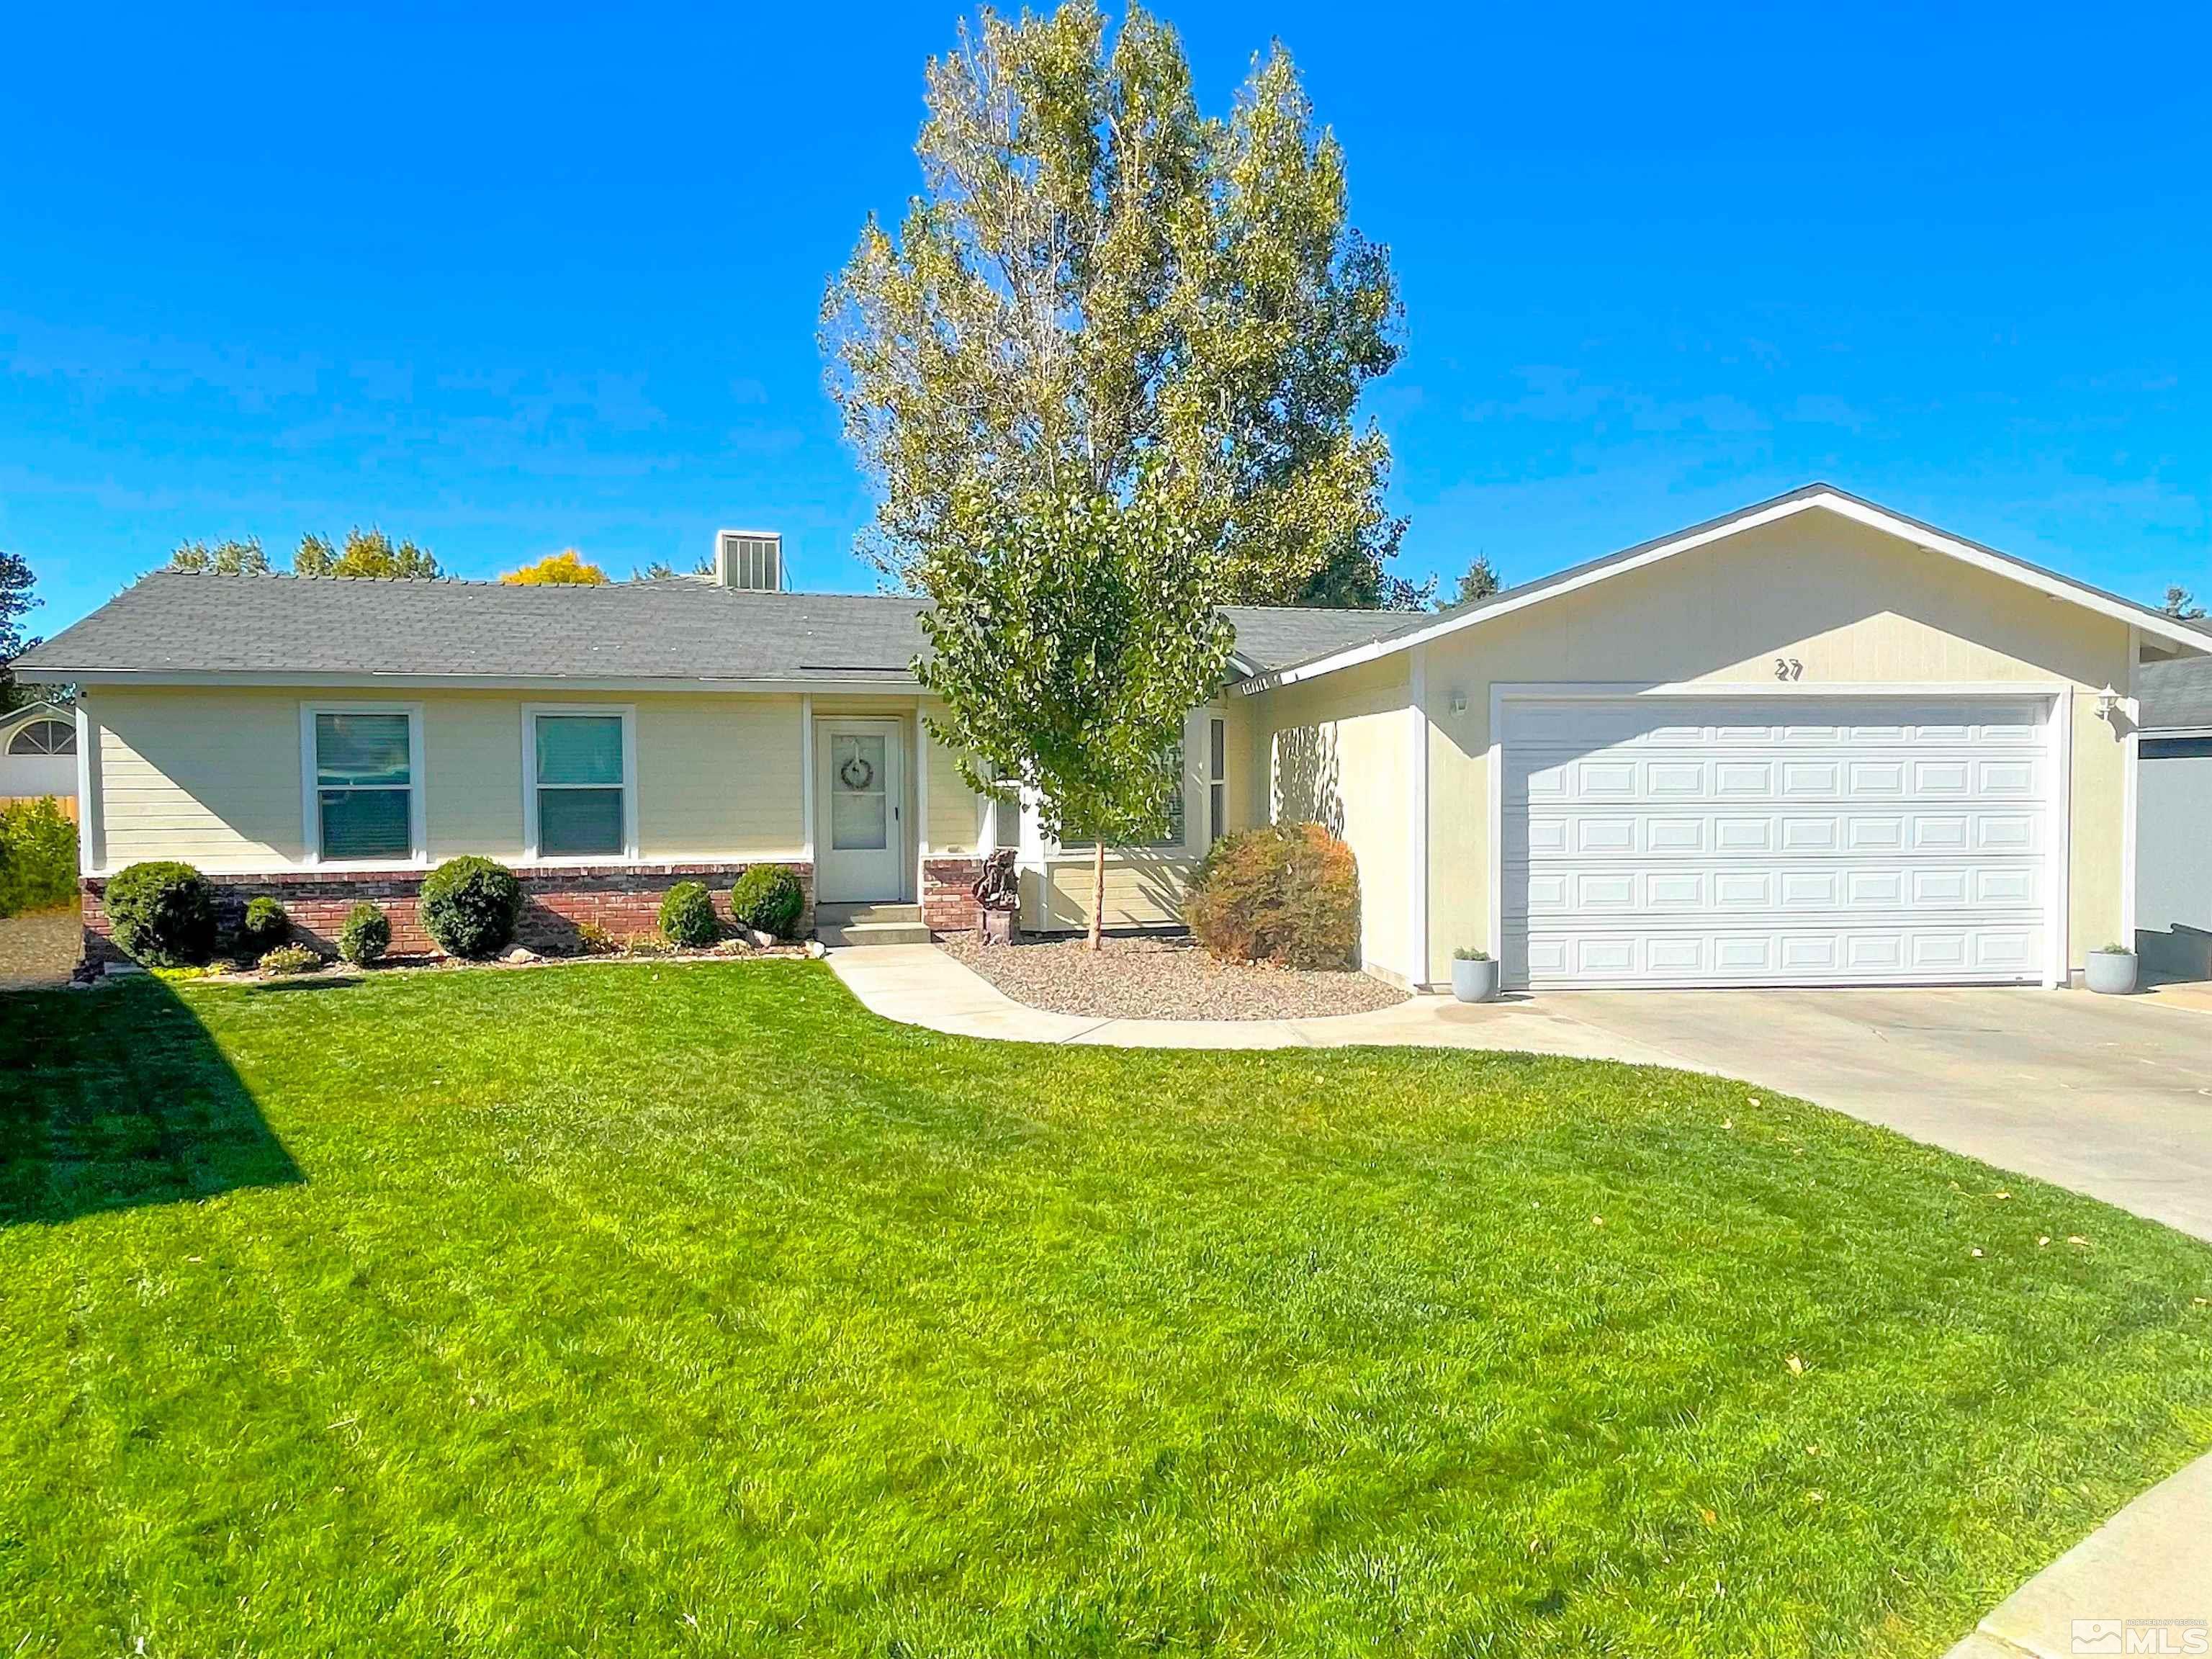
(170, 622)
(2176, 695)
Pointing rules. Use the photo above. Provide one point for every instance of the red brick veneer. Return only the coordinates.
(623, 898)
(948, 898)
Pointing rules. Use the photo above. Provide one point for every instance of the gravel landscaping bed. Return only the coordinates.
(40, 948)
(1142, 976)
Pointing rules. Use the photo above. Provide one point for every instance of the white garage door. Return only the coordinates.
(1774, 840)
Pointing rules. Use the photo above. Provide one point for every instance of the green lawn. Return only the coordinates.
(646, 1308)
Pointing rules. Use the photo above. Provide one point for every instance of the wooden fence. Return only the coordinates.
(67, 803)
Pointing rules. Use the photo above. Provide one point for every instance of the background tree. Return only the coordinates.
(225, 558)
(16, 602)
(1479, 582)
(1098, 279)
(566, 568)
(660, 570)
(366, 553)
(2181, 604)
(1072, 632)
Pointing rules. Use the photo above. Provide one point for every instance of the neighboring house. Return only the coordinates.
(2174, 820)
(1814, 742)
(38, 752)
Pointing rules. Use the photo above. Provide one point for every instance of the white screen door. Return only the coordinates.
(860, 831)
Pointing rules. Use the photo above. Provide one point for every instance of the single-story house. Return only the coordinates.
(1813, 742)
(2174, 820)
(38, 752)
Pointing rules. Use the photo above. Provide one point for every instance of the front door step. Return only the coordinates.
(843, 927)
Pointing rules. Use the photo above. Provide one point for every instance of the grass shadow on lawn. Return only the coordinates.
(104, 1113)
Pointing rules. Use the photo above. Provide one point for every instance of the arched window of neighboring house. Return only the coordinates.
(44, 737)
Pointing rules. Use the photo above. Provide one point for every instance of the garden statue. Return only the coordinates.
(998, 894)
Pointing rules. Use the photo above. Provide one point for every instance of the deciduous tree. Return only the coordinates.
(224, 558)
(1097, 280)
(566, 568)
(367, 553)
(2181, 604)
(1072, 632)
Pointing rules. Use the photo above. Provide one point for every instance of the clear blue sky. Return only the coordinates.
(508, 279)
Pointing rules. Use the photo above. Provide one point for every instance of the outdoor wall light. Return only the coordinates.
(2107, 699)
(1458, 702)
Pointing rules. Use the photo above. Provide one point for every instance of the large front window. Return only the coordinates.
(582, 812)
(1074, 839)
(364, 786)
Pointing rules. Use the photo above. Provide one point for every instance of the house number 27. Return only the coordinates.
(1789, 668)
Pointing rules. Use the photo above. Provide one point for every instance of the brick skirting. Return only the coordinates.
(623, 898)
(948, 899)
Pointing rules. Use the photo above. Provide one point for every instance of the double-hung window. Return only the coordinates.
(580, 794)
(1074, 839)
(364, 805)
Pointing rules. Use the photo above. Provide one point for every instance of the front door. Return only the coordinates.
(861, 855)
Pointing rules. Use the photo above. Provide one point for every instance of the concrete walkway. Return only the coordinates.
(919, 985)
(2107, 1095)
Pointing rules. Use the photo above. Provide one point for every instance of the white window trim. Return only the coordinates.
(1055, 852)
(311, 803)
(628, 712)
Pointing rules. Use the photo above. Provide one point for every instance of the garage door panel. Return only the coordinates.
(1718, 842)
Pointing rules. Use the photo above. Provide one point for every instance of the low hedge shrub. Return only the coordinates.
(687, 915)
(1287, 894)
(769, 897)
(162, 914)
(290, 959)
(265, 926)
(365, 936)
(469, 907)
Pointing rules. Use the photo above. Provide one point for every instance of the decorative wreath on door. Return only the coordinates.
(856, 774)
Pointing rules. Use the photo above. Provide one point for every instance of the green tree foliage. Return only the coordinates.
(1479, 582)
(38, 856)
(2181, 606)
(1098, 280)
(16, 602)
(366, 553)
(1071, 635)
(224, 558)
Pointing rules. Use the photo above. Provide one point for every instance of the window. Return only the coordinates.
(578, 784)
(1217, 780)
(44, 737)
(364, 800)
(1074, 840)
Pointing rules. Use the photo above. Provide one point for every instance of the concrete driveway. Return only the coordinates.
(2109, 1096)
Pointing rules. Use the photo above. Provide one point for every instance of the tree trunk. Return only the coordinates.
(1098, 892)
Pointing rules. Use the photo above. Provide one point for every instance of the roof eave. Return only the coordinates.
(1811, 497)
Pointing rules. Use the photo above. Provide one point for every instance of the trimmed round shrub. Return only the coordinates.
(290, 959)
(265, 926)
(163, 914)
(365, 936)
(469, 907)
(687, 915)
(1288, 894)
(769, 897)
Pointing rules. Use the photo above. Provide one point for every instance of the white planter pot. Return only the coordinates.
(1474, 982)
(2112, 973)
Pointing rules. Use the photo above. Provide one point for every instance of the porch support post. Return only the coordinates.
(921, 807)
(806, 776)
(1417, 819)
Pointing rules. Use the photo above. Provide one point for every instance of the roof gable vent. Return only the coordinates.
(750, 559)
